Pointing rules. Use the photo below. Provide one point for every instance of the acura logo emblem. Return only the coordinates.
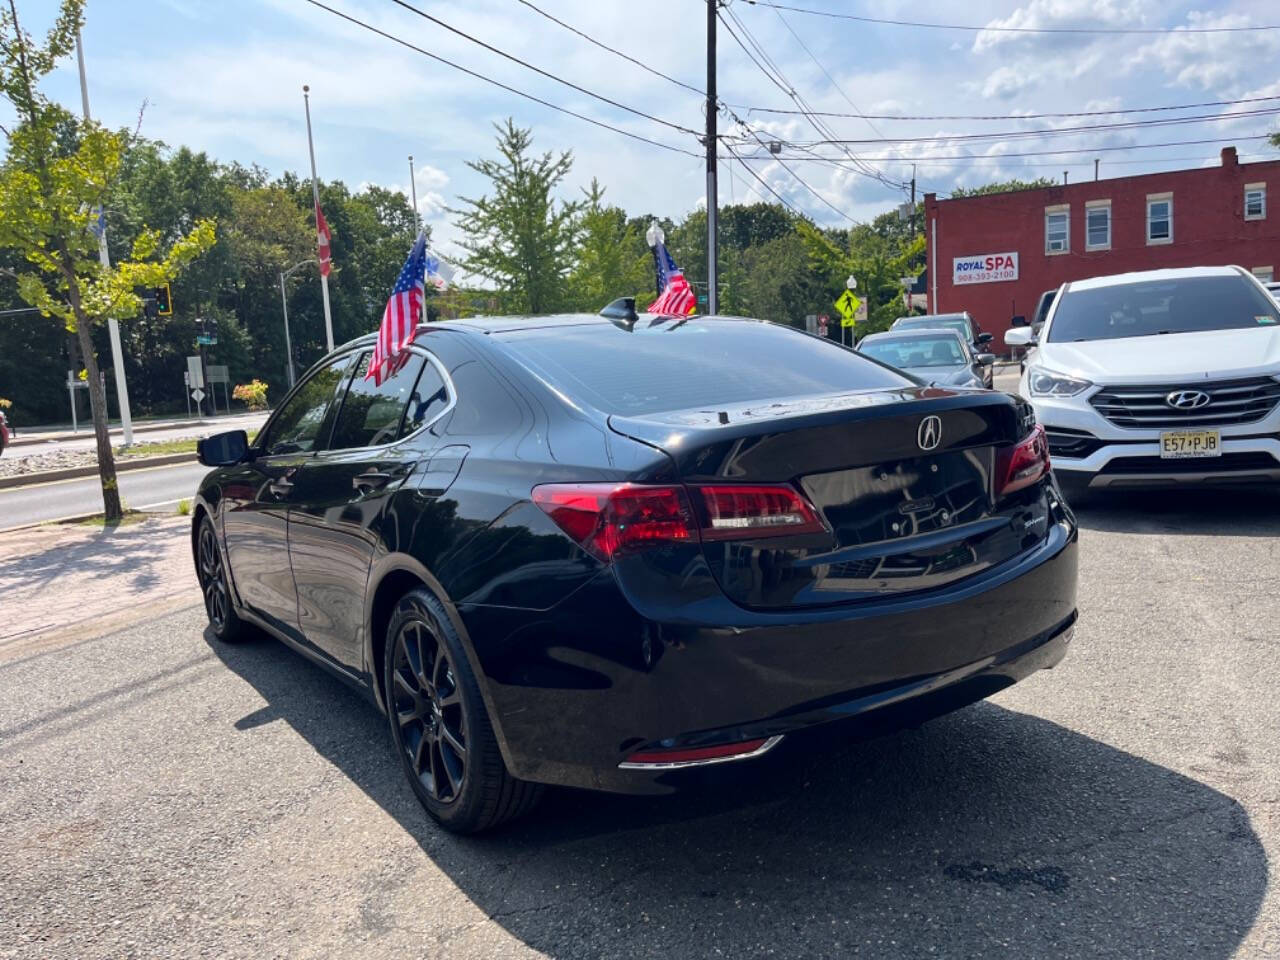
(929, 435)
(1187, 399)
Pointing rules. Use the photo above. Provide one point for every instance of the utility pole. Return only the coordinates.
(713, 198)
(113, 325)
(913, 201)
(315, 196)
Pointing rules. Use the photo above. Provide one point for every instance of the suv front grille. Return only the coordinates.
(1230, 402)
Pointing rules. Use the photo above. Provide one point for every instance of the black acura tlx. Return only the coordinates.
(590, 551)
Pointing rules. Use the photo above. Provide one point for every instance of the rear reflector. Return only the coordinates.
(698, 756)
(608, 519)
(1023, 464)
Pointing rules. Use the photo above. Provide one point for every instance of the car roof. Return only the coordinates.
(1147, 276)
(913, 333)
(925, 317)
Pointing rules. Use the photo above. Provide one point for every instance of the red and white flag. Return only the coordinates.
(322, 242)
(677, 298)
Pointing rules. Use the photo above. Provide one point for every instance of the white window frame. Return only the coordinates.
(1089, 207)
(1159, 198)
(1265, 274)
(1261, 190)
(1063, 210)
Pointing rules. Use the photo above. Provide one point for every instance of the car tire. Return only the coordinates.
(439, 726)
(211, 571)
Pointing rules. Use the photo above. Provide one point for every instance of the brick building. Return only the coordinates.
(995, 255)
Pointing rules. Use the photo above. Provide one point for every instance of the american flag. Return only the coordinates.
(677, 298)
(400, 318)
(323, 238)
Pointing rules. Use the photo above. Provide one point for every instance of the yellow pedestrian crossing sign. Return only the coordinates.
(847, 304)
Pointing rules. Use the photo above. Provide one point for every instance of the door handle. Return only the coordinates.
(281, 486)
(370, 480)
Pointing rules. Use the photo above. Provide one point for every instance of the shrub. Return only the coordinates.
(252, 394)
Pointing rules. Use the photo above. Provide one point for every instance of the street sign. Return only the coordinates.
(206, 339)
(702, 300)
(195, 372)
(197, 394)
(847, 305)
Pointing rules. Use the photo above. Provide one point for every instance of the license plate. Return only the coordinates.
(1186, 444)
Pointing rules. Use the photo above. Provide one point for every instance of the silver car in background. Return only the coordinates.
(940, 356)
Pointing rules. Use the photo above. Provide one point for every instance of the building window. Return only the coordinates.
(1057, 229)
(1255, 201)
(1097, 225)
(1265, 274)
(1159, 218)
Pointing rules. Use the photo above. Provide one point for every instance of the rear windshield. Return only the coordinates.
(697, 363)
(939, 351)
(958, 324)
(1182, 305)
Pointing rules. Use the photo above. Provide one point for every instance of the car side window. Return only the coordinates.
(429, 398)
(371, 414)
(296, 428)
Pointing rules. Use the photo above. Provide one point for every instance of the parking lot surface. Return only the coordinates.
(165, 796)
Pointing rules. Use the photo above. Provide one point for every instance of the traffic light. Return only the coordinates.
(164, 300)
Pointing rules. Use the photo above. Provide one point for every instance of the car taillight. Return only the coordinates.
(1023, 464)
(607, 519)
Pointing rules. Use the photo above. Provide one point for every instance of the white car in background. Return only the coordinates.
(1158, 378)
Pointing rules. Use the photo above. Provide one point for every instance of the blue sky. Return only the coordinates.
(225, 76)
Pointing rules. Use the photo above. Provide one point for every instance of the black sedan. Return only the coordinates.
(934, 356)
(589, 551)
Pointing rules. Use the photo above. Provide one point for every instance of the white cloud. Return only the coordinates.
(1041, 14)
(1209, 61)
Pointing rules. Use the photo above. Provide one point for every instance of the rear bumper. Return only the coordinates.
(576, 689)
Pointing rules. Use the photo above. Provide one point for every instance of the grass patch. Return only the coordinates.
(184, 508)
(159, 448)
(98, 521)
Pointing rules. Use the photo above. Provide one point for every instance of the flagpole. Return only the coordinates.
(315, 196)
(413, 188)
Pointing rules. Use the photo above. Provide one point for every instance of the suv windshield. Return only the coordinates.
(1145, 309)
(939, 351)
(959, 324)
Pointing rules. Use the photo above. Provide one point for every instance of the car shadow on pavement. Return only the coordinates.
(1237, 512)
(984, 832)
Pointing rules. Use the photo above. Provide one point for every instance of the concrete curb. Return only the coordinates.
(74, 473)
(18, 440)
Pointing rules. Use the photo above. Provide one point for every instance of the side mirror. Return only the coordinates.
(985, 359)
(223, 449)
(984, 338)
(1018, 321)
(1018, 337)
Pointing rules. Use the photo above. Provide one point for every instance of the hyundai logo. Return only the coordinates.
(929, 435)
(1187, 399)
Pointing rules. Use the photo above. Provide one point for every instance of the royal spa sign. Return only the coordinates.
(984, 268)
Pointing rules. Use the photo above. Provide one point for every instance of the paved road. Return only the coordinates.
(85, 440)
(142, 489)
(163, 795)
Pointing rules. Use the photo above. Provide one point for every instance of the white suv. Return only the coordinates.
(1165, 377)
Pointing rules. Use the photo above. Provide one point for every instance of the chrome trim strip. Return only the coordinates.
(764, 748)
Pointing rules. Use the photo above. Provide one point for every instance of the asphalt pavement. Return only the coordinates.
(142, 489)
(166, 796)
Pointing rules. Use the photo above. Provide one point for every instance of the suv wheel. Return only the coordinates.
(439, 725)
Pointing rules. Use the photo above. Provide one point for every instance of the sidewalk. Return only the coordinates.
(65, 582)
(56, 433)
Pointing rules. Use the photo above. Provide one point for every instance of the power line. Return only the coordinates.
(498, 83)
(1050, 132)
(617, 53)
(781, 199)
(1028, 153)
(1017, 116)
(993, 29)
(538, 70)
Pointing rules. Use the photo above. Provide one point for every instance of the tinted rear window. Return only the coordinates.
(676, 366)
(1182, 305)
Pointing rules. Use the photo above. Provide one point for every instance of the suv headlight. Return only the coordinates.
(1046, 383)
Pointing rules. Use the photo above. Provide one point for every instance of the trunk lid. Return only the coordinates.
(899, 517)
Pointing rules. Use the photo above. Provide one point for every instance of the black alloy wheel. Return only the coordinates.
(212, 573)
(439, 724)
(428, 708)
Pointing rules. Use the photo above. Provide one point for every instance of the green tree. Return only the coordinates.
(519, 237)
(50, 187)
(612, 259)
(1004, 186)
